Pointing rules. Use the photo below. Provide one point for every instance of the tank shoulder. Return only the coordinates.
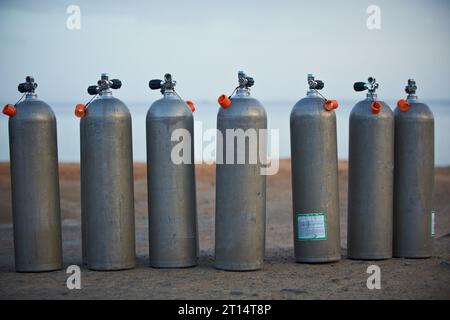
(311, 106)
(242, 107)
(362, 108)
(417, 110)
(167, 107)
(108, 106)
(36, 109)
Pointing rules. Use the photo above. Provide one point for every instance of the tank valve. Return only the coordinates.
(245, 82)
(28, 86)
(410, 89)
(371, 85)
(167, 84)
(316, 85)
(104, 84)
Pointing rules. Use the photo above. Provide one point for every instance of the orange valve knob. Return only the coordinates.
(375, 107)
(9, 110)
(403, 105)
(80, 110)
(331, 105)
(224, 101)
(191, 105)
(335, 104)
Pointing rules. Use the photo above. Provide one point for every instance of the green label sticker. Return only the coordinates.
(311, 226)
(433, 223)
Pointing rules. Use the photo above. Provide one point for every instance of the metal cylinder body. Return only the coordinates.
(370, 182)
(173, 239)
(83, 164)
(35, 187)
(414, 180)
(315, 192)
(240, 186)
(107, 185)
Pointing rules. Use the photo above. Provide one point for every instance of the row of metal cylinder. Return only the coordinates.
(390, 185)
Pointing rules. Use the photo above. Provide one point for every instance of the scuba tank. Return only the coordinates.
(107, 198)
(413, 177)
(315, 192)
(370, 177)
(172, 216)
(240, 187)
(34, 182)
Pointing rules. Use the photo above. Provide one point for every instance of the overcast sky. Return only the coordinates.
(204, 43)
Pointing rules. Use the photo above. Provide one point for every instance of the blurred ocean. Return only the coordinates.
(205, 116)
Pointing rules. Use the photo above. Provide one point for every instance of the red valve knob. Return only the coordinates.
(191, 105)
(375, 107)
(224, 101)
(331, 105)
(9, 110)
(403, 105)
(80, 110)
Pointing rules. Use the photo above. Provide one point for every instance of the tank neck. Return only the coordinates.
(30, 96)
(411, 98)
(169, 93)
(312, 94)
(243, 92)
(105, 93)
(372, 96)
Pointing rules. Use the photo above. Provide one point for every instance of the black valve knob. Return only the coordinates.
(319, 85)
(359, 86)
(116, 84)
(22, 87)
(155, 84)
(92, 90)
(250, 81)
(28, 86)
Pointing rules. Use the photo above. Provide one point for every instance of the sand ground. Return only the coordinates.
(281, 277)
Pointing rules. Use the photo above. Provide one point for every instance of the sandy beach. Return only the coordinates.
(281, 277)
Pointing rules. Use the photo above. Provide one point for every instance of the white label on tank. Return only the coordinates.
(433, 222)
(311, 226)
